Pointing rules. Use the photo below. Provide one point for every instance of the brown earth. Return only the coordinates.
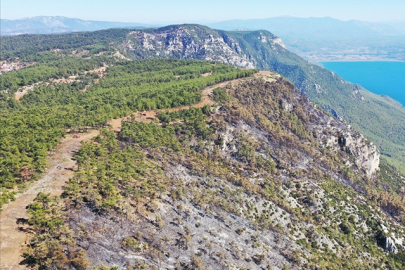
(13, 236)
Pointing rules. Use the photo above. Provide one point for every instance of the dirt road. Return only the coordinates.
(12, 234)
(148, 116)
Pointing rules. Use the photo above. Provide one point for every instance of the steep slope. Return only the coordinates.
(376, 119)
(262, 179)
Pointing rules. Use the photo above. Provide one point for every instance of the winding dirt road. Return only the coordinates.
(148, 116)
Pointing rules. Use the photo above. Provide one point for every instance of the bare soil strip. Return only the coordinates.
(13, 235)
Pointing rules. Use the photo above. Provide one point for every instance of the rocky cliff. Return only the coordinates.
(198, 42)
(263, 50)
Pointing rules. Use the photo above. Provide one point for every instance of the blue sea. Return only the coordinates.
(383, 78)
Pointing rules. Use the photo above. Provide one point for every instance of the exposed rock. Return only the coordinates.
(286, 105)
(365, 152)
(279, 42)
(356, 94)
(390, 245)
(197, 42)
(180, 43)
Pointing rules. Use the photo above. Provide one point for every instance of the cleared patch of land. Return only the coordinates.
(14, 235)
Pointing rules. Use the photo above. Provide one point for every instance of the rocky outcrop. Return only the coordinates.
(367, 157)
(390, 245)
(185, 42)
(198, 42)
(336, 134)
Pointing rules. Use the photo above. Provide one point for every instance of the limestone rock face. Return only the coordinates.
(184, 43)
(336, 134)
(286, 105)
(197, 42)
(366, 154)
(279, 42)
(390, 246)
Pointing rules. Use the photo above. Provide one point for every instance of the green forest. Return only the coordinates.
(33, 126)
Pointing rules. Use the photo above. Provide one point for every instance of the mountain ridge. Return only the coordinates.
(373, 116)
(340, 40)
(261, 49)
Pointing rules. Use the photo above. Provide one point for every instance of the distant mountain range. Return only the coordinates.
(321, 28)
(58, 24)
(328, 39)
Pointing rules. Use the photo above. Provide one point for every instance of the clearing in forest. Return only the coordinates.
(13, 231)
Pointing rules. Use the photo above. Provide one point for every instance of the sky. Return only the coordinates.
(186, 11)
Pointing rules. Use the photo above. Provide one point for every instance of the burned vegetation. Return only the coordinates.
(260, 180)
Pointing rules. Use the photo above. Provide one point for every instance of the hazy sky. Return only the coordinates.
(150, 11)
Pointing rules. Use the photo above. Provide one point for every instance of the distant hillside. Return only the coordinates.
(316, 39)
(57, 24)
(319, 39)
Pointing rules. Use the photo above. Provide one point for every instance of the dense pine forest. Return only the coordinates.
(32, 127)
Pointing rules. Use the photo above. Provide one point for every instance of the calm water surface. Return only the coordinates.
(383, 78)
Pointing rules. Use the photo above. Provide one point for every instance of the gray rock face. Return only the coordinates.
(390, 246)
(286, 105)
(198, 42)
(339, 136)
(181, 43)
(365, 152)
